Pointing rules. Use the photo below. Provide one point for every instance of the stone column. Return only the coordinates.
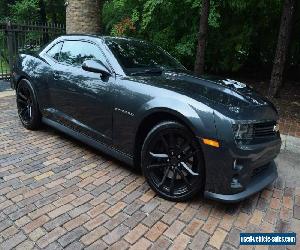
(83, 16)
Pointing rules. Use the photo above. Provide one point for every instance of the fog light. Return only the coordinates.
(236, 167)
(235, 183)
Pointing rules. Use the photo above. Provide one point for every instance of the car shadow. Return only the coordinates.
(246, 205)
(107, 157)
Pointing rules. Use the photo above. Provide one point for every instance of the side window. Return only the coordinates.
(76, 52)
(55, 50)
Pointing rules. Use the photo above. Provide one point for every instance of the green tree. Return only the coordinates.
(202, 37)
(24, 11)
(282, 47)
(40, 11)
(242, 35)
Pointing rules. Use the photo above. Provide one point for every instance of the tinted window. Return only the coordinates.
(135, 56)
(76, 52)
(54, 51)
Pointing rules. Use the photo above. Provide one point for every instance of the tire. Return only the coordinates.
(28, 109)
(172, 162)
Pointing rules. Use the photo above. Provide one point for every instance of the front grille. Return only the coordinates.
(264, 129)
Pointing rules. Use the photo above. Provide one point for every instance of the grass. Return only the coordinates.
(4, 67)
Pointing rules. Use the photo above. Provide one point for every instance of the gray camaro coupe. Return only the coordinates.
(132, 100)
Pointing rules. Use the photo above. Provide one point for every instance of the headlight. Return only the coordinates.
(243, 131)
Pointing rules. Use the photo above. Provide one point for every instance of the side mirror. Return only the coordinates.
(96, 67)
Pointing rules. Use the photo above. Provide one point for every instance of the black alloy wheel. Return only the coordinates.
(172, 161)
(28, 110)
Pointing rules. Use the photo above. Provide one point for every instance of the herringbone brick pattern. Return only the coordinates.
(57, 193)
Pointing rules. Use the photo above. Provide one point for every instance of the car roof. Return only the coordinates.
(104, 38)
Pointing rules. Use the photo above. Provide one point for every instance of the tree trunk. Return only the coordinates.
(83, 16)
(282, 47)
(43, 15)
(43, 20)
(202, 36)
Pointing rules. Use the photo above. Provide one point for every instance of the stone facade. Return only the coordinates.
(83, 16)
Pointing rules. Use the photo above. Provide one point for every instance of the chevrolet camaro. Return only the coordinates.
(132, 100)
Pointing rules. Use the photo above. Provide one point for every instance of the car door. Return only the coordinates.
(44, 81)
(82, 100)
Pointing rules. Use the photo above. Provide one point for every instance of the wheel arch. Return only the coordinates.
(22, 77)
(27, 78)
(151, 119)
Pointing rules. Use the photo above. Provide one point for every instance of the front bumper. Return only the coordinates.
(263, 179)
(234, 173)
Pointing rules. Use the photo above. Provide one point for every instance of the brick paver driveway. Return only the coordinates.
(57, 193)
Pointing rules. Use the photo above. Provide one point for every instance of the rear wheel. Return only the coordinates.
(27, 105)
(172, 161)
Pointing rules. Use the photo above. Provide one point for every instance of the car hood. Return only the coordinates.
(214, 89)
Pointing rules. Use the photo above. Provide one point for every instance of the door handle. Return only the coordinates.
(55, 75)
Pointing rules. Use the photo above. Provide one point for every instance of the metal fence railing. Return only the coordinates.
(18, 38)
(4, 63)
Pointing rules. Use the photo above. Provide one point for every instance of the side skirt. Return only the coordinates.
(91, 142)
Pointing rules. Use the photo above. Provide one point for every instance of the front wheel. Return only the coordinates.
(172, 162)
(27, 105)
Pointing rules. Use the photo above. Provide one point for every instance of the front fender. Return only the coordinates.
(197, 116)
(135, 102)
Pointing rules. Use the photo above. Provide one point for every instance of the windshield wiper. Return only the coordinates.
(148, 71)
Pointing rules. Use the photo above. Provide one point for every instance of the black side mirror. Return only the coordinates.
(96, 67)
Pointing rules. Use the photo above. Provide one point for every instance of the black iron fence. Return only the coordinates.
(21, 38)
(4, 63)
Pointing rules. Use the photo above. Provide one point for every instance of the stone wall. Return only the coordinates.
(83, 16)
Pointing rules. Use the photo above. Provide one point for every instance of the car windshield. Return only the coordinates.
(139, 57)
